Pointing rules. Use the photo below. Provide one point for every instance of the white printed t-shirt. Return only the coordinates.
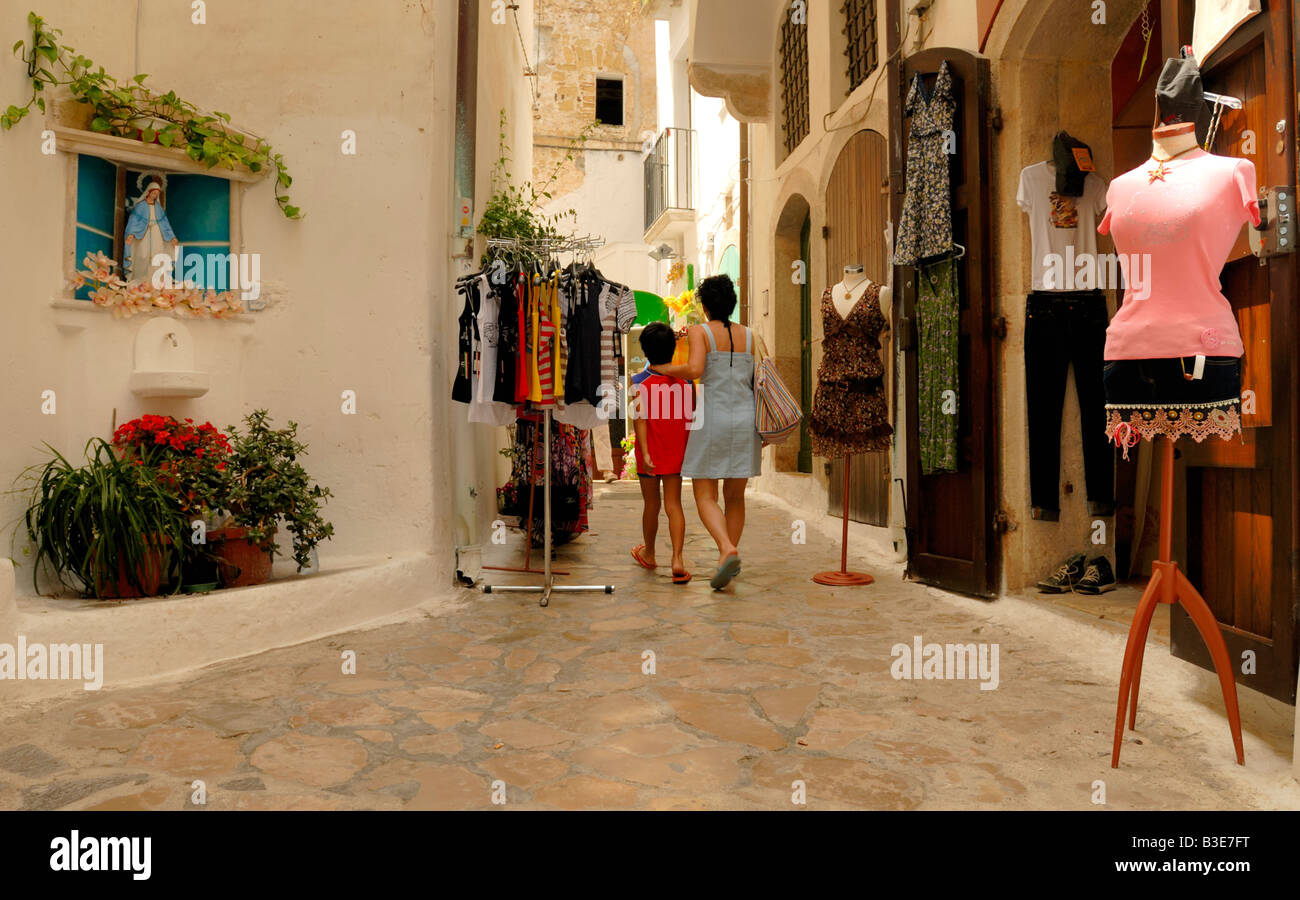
(1058, 222)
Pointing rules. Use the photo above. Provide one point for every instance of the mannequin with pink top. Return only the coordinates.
(1173, 351)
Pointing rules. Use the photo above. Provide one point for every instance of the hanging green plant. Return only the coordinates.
(515, 211)
(131, 109)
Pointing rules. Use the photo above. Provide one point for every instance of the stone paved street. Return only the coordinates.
(773, 681)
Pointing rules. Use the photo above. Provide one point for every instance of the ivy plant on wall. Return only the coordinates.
(132, 109)
(515, 211)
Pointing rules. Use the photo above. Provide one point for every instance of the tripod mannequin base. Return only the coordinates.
(843, 578)
(1168, 585)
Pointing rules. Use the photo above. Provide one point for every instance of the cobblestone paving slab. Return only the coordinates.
(655, 697)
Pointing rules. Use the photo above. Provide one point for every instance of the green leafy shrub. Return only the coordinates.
(132, 109)
(267, 483)
(91, 522)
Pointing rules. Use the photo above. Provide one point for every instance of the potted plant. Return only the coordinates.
(190, 461)
(265, 484)
(132, 109)
(108, 527)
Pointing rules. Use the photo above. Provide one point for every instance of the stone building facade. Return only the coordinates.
(585, 53)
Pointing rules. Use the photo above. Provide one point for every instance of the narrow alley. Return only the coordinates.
(662, 697)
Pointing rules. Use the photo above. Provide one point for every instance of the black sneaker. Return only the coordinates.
(1097, 578)
(1064, 578)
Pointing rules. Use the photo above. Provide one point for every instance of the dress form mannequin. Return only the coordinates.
(846, 293)
(850, 410)
(1169, 141)
(1226, 187)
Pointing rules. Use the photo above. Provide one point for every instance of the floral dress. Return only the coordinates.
(925, 228)
(571, 486)
(850, 413)
(938, 321)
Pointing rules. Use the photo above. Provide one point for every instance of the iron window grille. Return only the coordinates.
(860, 39)
(794, 81)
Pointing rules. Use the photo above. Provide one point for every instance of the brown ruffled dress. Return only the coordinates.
(850, 413)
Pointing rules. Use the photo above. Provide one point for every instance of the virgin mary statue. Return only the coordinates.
(148, 235)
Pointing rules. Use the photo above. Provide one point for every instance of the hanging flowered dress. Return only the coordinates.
(925, 228)
(571, 487)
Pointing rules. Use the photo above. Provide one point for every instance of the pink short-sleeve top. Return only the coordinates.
(1174, 225)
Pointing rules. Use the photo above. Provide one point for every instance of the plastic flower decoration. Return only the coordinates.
(123, 300)
(685, 310)
(629, 459)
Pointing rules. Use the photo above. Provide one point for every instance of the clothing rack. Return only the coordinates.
(528, 544)
(540, 248)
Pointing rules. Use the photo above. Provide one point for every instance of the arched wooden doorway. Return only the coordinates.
(792, 340)
(857, 207)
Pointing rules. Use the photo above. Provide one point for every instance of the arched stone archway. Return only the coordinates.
(1050, 70)
(792, 307)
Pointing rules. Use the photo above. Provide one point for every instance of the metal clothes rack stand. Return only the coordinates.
(537, 248)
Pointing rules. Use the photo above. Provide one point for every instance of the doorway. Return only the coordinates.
(791, 338)
(952, 542)
(857, 208)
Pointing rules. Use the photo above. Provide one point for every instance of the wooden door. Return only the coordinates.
(950, 517)
(805, 348)
(857, 207)
(1241, 502)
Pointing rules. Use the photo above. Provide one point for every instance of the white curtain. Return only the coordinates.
(1217, 19)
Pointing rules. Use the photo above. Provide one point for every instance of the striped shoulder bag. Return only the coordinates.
(776, 411)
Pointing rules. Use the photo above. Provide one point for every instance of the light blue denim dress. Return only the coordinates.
(726, 443)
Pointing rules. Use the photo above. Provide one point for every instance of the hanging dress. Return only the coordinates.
(850, 413)
(938, 321)
(483, 408)
(925, 228)
(462, 390)
(508, 340)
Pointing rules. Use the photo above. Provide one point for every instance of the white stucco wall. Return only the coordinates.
(610, 200)
(363, 283)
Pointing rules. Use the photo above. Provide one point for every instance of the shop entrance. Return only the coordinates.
(1236, 504)
(857, 206)
(791, 340)
(950, 515)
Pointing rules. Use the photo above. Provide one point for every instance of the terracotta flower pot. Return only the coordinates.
(242, 561)
(149, 575)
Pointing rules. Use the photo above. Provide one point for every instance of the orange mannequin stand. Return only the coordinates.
(844, 577)
(1169, 585)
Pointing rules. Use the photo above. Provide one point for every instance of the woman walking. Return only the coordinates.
(723, 443)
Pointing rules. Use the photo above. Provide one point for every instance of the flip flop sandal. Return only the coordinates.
(681, 577)
(727, 571)
(636, 554)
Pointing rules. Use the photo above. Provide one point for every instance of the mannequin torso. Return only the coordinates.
(846, 294)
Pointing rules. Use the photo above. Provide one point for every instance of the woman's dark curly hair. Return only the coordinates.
(718, 297)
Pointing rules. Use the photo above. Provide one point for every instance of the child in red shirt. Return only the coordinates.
(661, 413)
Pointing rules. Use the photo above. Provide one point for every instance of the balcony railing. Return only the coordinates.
(669, 170)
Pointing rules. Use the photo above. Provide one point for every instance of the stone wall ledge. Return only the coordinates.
(155, 638)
